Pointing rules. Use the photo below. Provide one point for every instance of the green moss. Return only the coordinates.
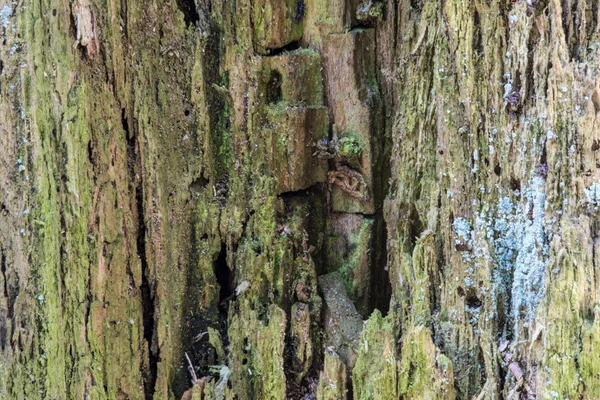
(375, 375)
(350, 150)
(256, 354)
(423, 371)
(301, 338)
(348, 253)
(332, 380)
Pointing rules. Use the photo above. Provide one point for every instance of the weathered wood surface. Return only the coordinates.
(176, 175)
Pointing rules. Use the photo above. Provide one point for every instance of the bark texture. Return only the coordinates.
(299, 199)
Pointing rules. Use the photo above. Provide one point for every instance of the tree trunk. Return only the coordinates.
(206, 199)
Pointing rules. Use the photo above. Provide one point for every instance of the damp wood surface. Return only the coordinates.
(300, 199)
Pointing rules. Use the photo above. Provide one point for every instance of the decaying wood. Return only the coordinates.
(389, 198)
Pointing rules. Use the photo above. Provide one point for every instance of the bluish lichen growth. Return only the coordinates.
(5, 13)
(463, 230)
(518, 232)
(532, 258)
(593, 194)
(506, 230)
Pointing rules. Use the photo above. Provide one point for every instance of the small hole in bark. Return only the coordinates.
(274, 87)
(186, 113)
(498, 169)
(224, 275)
(416, 5)
(198, 184)
(473, 301)
(90, 151)
(461, 247)
(477, 37)
(543, 167)
(54, 12)
(543, 156)
(515, 184)
(441, 152)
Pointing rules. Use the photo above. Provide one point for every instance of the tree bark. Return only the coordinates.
(299, 199)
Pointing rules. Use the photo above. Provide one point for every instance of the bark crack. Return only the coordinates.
(147, 290)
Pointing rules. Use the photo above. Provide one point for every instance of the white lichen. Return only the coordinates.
(462, 227)
(517, 232)
(5, 13)
(242, 287)
(532, 258)
(593, 193)
(224, 373)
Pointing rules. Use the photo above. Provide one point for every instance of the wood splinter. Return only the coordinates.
(191, 369)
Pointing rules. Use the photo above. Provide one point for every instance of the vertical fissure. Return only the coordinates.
(224, 276)
(146, 289)
(4, 333)
(148, 298)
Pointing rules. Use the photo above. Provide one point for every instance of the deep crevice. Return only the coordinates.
(224, 276)
(190, 13)
(4, 334)
(529, 92)
(147, 295)
(125, 125)
(380, 284)
(90, 152)
(309, 191)
(147, 299)
(295, 45)
(477, 36)
(361, 26)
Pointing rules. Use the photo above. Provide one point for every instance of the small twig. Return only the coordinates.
(199, 337)
(191, 369)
